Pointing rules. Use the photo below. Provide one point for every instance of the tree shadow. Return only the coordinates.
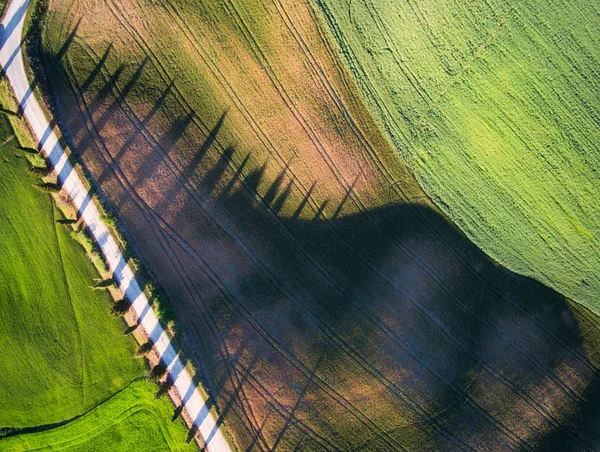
(67, 42)
(96, 71)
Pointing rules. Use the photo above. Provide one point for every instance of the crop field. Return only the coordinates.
(495, 106)
(57, 362)
(129, 420)
(62, 354)
(323, 310)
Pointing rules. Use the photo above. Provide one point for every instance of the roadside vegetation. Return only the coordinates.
(65, 360)
(326, 302)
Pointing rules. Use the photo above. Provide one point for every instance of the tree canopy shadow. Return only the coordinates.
(396, 296)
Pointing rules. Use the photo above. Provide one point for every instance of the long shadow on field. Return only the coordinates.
(380, 330)
(389, 323)
(420, 330)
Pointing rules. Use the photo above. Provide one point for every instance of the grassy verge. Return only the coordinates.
(130, 420)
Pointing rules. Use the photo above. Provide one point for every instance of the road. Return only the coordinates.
(11, 60)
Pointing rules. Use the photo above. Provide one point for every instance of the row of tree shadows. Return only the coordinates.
(380, 330)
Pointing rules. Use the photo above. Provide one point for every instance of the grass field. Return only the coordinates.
(252, 181)
(62, 354)
(129, 420)
(495, 107)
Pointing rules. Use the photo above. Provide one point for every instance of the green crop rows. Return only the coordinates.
(55, 329)
(131, 420)
(496, 108)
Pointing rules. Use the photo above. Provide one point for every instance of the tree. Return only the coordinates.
(157, 372)
(120, 308)
(143, 350)
(177, 413)
(163, 389)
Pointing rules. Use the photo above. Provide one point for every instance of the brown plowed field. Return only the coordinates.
(321, 311)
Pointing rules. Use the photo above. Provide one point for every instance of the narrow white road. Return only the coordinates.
(11, 60)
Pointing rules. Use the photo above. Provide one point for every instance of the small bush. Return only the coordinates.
(143, 350)
(151, 288)
(172, 328)
(192, 368)
(163, 389)
(120, 308)
(109, 219)
(76, 234)
(157, 372)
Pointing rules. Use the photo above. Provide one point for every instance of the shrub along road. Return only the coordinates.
(12, 63)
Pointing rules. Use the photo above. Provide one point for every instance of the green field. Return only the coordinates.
(62, 354)
(495, 107)
(129, 421)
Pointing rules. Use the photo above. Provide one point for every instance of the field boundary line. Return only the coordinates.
(68, 290)
(47, 427)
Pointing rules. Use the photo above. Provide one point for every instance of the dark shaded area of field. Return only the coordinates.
(379, 330)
